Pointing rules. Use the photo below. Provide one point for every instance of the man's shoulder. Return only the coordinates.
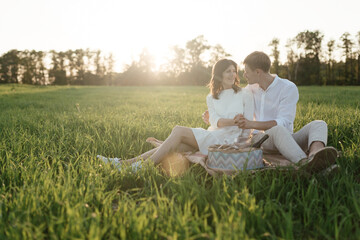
(286, 83)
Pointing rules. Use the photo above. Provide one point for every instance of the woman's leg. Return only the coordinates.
(180, 139)
(182, 148)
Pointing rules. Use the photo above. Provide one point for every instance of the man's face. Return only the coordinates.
(250, 75)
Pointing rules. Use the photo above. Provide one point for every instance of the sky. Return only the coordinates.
(125, 28)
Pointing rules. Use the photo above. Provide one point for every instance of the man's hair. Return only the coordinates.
(258, 60)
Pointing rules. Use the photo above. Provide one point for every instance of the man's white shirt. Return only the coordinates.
(277, 102)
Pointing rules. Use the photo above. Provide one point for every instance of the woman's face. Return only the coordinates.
(228, 77)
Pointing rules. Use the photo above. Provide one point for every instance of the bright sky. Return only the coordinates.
(125, 28)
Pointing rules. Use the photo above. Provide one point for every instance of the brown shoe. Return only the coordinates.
(321, 160)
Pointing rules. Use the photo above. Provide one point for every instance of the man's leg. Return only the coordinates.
(312, 137)
(280, 139)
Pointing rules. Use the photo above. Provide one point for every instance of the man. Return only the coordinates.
(275, 109)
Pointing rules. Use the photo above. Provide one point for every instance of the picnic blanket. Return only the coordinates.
(271, 161)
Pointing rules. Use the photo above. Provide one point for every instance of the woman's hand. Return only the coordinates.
(242, 122)
(205, 117)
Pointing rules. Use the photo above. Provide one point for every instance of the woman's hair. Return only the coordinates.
(218, 69)
(258, 60)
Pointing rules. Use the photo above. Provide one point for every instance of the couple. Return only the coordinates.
(268, 99)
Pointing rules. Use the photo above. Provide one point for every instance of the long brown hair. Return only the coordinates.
(218, 69)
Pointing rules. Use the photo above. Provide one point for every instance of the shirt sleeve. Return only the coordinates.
(287, 107)
(248, 102)
(213, 116)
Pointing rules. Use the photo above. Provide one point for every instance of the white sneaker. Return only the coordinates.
(114, 161)
(136, 166)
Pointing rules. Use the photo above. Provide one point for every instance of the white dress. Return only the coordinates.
(228, 105)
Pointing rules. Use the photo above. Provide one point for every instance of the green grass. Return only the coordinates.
(53, 187)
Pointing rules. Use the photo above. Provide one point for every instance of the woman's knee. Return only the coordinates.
(179, 131)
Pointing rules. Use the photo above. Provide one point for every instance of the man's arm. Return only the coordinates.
(286, 112)
(244, 123)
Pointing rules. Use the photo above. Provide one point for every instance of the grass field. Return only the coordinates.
(53, 187)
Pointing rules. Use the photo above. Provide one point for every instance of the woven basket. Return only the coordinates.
(231, 157)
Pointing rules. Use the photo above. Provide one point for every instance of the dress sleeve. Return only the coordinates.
(213, 116)
(248, 102)
(287, 107)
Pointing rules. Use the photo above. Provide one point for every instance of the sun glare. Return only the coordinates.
(158, 54)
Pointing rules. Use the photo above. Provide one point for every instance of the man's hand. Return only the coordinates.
(242, 122)
(205, 117)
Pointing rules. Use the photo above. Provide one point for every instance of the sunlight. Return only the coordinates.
(157, 52)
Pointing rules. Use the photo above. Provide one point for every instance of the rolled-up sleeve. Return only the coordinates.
(213, 116)
(287, 107)
(248, 102)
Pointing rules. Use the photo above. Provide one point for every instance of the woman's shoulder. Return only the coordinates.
(209, 96)
(245, 91)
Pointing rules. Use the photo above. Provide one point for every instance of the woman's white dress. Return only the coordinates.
(228, 105)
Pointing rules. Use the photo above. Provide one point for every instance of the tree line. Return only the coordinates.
(77, 67)
(309, 61)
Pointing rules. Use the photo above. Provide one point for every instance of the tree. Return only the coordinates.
(40, 68)
(80, 66)
(292, 61)
(146, 61)
(10, 66)
(217, 53)
(109, 69)
(32, 66)
(139, 72)
(311, 43)
(275, 54)
(99, 66)
(177, 64)
(330, 50)
(58, 73)
(358, 58)
(195, 49)
(70, 56)
(347, 45)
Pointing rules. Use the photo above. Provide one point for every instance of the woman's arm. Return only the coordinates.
(226, 122)
(214, 119)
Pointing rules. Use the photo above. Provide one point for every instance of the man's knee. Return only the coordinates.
(318, 125)
(278, 129)
(319, 122)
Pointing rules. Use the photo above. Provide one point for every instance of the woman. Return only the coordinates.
(225, 101)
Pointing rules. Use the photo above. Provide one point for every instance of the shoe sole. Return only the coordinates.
(323, 159)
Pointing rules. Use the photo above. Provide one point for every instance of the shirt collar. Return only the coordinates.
(276, 79)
